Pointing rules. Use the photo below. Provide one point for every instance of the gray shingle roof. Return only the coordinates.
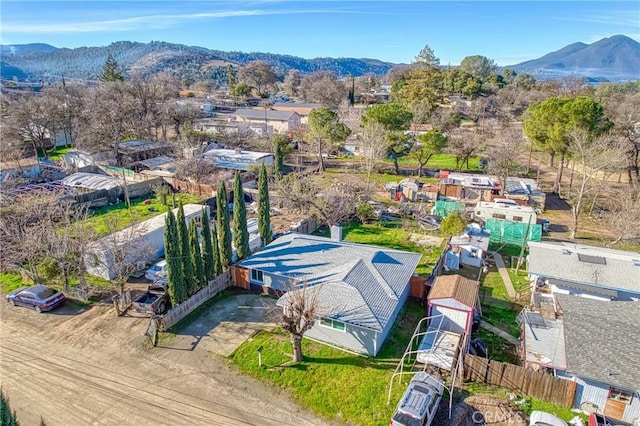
(259, 114)
(601, 340)
(360, 284)
(570, 262)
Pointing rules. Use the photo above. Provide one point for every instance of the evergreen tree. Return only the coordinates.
(224, 228)
(240, 232)
(185, 253)
(278, 164)
(175, 277)
(110, 71)
(196, 257)
(207, 247)
(215, 246)
(7, 417)
(264, 220)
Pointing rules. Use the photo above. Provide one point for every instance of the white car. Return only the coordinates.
(540, 418)
(159, 270)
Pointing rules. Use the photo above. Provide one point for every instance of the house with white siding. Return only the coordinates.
(274, 121)
(594, 343)
(581, 270)
(359, 289)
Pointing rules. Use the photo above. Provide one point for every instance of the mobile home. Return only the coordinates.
(504, 211)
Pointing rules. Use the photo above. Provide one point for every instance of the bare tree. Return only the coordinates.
(300, 305)
(259, 75)
(122, 252)
(594, 158)
(323, 87)
(505, 148)
(623, 111)
(331, 203)
(195, 170)
(624, 214)
(464, 145)
(372, 146)
(292, 83)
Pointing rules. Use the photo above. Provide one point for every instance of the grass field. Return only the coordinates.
(391, 235)
(330, 382)
(438, 162)
(59, 152)
(141, 209)
(10, 282)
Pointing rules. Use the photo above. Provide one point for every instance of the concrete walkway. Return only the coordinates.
(495, 330)
(504, 274)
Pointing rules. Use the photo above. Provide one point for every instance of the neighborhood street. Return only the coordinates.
(84, 366)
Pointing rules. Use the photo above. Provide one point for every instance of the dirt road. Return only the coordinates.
(84, 366)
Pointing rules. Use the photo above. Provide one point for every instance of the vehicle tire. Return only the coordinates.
(162, 307)
(12, 302)
(38, 309)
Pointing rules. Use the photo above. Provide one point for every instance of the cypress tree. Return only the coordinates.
(207, 247)
(279, 160)
(7, 417)
(185, 253)
(240, 232)
(196, 257)
(175, 277)
(264, 220)
(224, 228)
(215, 246)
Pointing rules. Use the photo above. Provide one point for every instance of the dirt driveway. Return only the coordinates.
(84, 366)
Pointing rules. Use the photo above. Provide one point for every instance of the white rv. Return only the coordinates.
(504, 211)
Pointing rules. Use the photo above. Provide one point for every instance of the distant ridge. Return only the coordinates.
(41, 61)
(612, 58)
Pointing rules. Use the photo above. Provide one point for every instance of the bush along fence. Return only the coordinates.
(519, 379)
(214, 287)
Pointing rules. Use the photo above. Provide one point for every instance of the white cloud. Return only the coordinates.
(158, 21)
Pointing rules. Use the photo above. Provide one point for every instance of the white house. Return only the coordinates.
(147, 236)
(274, 121)
(505, 211)
(581, 270)
(236, 159)
(360, 289)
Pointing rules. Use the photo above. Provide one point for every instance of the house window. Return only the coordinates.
(331, 323)
(517, 219)
(257, 276)
(499, 216)
(620, 396)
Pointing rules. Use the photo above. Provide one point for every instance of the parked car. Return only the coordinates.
(429, 221)
(419, 403)
(540, 418)
(153, 301)
(39, 297)
(159, 270)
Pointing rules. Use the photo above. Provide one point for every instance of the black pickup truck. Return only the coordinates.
(153, 301)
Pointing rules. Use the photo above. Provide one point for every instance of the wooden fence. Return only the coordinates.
(191, 188)
(519, 379)
(215, 286)
(307, 226)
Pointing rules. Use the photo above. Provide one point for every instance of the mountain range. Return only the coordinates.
(613, 58)
(610, 59)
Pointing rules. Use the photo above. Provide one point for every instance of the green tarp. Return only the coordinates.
(445, 208)
(506, 232)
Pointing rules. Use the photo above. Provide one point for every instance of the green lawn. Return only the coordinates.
(438, 162)
(499, 349)
(330, 382)
(139, 212)
(391, 235)
(11, 281)
(59, 152)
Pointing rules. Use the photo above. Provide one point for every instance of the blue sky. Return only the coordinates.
(505, 31)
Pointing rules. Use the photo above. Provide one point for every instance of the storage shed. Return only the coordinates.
(455, 298)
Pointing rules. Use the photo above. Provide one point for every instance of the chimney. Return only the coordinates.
(336, 232)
